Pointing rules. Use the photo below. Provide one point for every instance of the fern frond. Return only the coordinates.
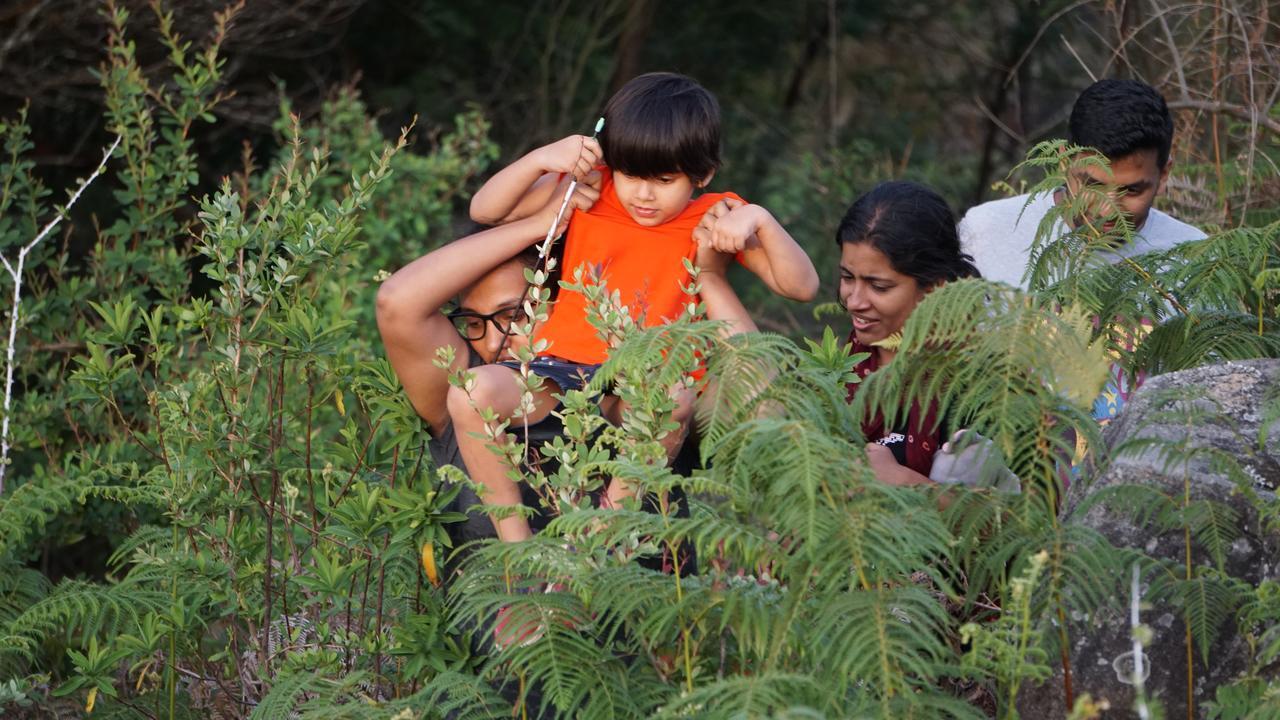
(1214, 526)
(1003, 363)
(1188, 341)
(287, 689)
(568, 666)
(1207, 600)
(465, 697)
(887, 637)
(79, 606)
(762, 695)
(26, 511)
(1141, 503)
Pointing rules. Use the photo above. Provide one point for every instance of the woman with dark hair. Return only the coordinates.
(897, 243)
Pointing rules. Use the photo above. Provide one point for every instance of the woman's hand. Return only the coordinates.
(973, 460)
(887, 469)
(576, 155)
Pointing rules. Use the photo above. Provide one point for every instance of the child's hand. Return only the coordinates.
(710, 260)
(585, 195)
(733, 230)
(576, 155)
(706, 226)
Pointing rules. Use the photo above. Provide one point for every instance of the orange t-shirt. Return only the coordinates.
(644, 264)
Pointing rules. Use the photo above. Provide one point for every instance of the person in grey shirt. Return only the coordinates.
(1128, 122)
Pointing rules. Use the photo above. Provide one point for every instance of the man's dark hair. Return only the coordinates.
(1121, 117)
(529, 257)
(913, 226)
(662, 123)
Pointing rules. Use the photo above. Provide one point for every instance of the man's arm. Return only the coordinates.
(718, 296)
(409, 302)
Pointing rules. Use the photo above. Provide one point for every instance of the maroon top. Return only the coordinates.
(913, 444)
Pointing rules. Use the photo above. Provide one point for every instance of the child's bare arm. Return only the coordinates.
(526, 185)
(767, 249)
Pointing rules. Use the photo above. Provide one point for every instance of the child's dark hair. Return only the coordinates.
(1121, 117)
(913, 226)
(661, 123)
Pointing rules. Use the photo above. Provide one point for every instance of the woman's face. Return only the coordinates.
(501, 292)
(878, 298)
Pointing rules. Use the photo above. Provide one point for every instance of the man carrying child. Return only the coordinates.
(660, 146)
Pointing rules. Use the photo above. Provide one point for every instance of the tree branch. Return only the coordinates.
(1225, 108)
(15, 271)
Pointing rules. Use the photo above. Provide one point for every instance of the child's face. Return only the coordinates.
(656, 200)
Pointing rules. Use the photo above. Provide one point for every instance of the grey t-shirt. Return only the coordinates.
(1000, 234)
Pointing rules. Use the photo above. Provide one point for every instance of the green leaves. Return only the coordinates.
(94, 669)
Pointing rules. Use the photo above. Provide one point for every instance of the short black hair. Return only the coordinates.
(528, 258)
(914, 227)
(1121, 117)
(662, 123)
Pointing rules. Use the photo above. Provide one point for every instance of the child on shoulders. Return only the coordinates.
(660, 146)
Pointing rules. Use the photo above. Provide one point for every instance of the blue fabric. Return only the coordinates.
(566, 375)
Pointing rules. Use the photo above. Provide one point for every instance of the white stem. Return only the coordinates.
(15, 272)
(545, 250)
(1138, 669)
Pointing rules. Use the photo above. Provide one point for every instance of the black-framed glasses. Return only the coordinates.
(473, 325)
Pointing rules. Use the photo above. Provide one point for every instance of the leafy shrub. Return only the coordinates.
(202, 391)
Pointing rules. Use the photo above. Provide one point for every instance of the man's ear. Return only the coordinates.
(705, 181)
(1164, 176)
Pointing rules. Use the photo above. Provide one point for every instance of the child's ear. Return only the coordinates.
(705, 181)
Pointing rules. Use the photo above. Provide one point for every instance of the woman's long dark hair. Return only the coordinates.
(914, 227)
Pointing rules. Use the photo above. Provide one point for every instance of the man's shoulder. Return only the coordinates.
(1007, 212)
(1164, 231)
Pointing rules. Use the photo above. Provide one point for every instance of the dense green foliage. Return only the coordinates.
(202, 396)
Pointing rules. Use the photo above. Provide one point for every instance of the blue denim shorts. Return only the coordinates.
(566, 375)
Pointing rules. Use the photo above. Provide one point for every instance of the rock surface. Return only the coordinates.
(1220, 407)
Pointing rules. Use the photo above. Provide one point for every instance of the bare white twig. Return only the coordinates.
(1172, 44)
(1088, 71)
(1139, 672)
(995, 120)
(15, 272)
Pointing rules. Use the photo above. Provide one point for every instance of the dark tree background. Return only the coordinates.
(821, 98)
(951, 92)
